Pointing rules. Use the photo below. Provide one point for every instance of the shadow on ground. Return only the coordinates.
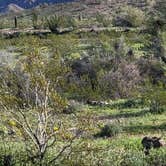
(125, 115)
(144, 128)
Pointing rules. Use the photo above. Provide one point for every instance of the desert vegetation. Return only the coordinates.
(84, 89)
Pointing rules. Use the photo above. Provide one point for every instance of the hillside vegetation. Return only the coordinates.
(84, 84)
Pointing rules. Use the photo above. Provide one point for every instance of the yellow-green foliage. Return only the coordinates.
(134, 15)
(155, 96)
(56, 21)
(103, 20)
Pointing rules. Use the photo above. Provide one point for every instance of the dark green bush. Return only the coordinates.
(55, 22)
(130, 16)
(6, 160)
(155, 97)
(130, 103)
(156, 108)
(110, 130)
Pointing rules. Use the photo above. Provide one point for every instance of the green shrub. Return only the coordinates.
(155, 107)
(133, 15)
(155, 98)
(12, 153)
(73, 107)
(131, 103)
(55, 22)
(103, 20)
(110, 130)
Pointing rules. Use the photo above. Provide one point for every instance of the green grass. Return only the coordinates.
(133, 120)
(123, 149)
(126, 147)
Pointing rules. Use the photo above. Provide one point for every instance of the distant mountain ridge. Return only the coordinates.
(14, 8)
(27, 3)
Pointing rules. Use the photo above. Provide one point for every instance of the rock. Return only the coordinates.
(93, 103)
(15, 8)
(151, 142)
(97, 103)
(61, 30)
(11, 132)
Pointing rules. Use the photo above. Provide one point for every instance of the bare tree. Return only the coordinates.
(34, 112)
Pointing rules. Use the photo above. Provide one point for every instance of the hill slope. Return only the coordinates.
(26, 3)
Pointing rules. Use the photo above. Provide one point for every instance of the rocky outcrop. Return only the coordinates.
(14, 8)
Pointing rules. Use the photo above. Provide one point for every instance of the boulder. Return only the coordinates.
(151, 142)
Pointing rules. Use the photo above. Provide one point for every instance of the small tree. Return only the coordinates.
(32, 106)
(155, 97)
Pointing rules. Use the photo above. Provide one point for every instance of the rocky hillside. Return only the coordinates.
(91, 7)
(14, 8)
(78, 8)
(4, 4)
(85, 7)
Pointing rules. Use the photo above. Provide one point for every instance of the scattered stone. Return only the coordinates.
(11, 132)
(62, 30)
